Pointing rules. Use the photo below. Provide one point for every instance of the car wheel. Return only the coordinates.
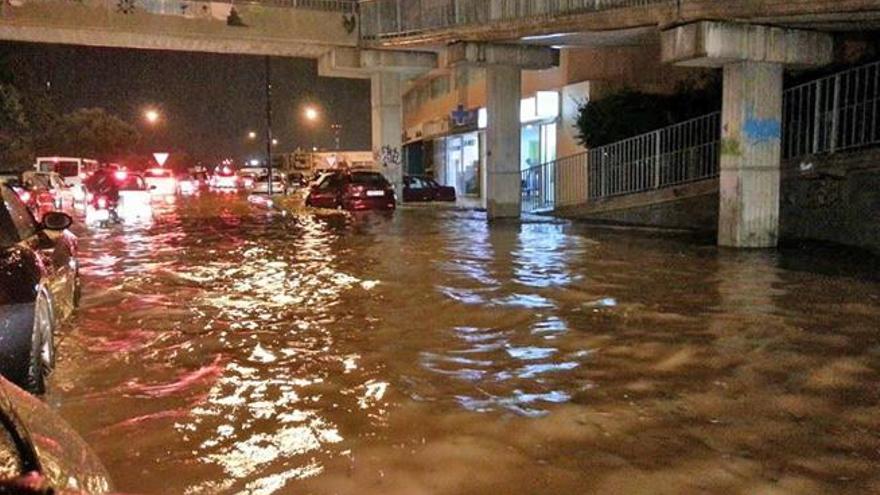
(42, 358)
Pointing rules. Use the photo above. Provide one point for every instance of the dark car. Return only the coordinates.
(358, 190)
(40, 453)
(422, 189)
(39, 287)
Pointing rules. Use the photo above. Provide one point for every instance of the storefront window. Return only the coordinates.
(463, 163)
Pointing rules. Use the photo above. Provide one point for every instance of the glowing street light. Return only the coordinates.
(252, 135)
(152, 116)
(274, 142)
(311, 114)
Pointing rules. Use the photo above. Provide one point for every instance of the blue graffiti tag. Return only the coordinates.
(761, 130)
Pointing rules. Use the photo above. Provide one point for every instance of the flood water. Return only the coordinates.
(226, 350)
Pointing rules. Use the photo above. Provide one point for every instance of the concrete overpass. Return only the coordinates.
(395, 23)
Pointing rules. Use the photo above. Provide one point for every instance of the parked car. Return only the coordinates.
(358, 190)
(261, 184)
(161, 181)
(40, 453)
(60, 194)
(187, 185)
(134, 198)
(422, 189)
(224, 178)
(39, 287)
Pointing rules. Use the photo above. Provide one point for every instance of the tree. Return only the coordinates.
(629, 113)
(90, 132)
(16, 140)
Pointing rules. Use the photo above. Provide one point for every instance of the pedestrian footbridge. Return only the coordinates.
(296, 28)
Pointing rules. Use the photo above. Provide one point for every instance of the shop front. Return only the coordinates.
(459, 157)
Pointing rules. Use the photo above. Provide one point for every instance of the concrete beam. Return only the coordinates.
(354, 63)
(521, 56)
(715, 44)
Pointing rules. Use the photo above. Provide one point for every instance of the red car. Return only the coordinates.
(422, 189)
(357, 190)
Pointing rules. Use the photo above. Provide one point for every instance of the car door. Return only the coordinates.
(54, 250)
(326, 193)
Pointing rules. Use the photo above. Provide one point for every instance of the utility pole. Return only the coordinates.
(269, 122)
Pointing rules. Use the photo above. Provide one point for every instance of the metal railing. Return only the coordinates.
(834, 113)
(828, 115)
(397, 18)
(203, 8)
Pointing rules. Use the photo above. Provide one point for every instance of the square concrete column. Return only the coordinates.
(387, 119)
(751, 148)
(503, 175)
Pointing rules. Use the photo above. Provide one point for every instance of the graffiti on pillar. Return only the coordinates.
(125, 6)
(388, 157)
(349, 23)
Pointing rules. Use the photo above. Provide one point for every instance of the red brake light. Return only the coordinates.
(102, 202)
(120, 175)
(24, 196)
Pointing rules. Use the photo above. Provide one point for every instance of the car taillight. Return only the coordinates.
(120, 175)
(24, 196)
(102, 202)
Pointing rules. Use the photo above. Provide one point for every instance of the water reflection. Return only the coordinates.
(226, 349)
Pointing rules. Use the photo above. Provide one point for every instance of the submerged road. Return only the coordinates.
(222, 349)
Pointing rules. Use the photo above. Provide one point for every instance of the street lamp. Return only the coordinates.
(252, 135)
(152, 116)
(311, 114)
(274, 142)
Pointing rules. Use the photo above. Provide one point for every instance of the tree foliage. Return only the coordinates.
(90, 132)
(31, 125)
(629, 113)
(16, 140)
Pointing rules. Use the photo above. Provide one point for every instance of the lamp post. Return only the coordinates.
(269, 140)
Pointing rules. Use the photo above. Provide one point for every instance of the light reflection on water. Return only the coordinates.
(221, 349)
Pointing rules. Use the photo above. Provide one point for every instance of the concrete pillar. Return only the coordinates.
(503, 176)
(752, 57)
(751, 149)
(387, 119)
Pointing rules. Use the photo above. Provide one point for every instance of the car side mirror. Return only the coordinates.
(56, 220)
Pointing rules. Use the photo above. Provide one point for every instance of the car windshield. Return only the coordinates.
(67, 169)
(373, 179)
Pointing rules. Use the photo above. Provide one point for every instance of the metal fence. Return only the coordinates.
(396, 18)
(828, 115)
(831, 114)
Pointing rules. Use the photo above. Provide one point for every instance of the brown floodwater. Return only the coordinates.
(222, 349)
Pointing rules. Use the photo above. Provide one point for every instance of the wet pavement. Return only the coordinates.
(226, 350)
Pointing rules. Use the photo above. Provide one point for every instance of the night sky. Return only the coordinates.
(209, 102)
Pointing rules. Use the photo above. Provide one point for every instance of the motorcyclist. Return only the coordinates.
(103, 184)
